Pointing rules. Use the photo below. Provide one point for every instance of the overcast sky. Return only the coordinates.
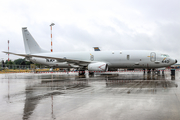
(82, 24)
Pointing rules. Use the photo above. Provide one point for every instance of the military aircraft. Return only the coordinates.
(93, 60)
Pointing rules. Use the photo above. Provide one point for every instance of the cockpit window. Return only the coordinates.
(164, 55)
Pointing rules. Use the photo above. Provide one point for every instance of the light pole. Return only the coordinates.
(52, 24)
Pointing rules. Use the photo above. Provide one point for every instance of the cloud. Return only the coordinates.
(81, 25)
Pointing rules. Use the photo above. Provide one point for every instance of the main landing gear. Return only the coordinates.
(82, 71)
(153, 71)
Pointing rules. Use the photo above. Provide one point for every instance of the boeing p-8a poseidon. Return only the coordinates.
(94, 60)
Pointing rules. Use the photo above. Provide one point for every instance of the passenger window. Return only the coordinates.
(128, 57)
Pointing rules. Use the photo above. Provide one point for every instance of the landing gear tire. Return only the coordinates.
(91, 73)
(149, 71)
(81, 72)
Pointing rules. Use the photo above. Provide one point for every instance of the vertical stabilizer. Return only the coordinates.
(31, 46)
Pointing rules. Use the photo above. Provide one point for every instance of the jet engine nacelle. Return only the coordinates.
(99, 66)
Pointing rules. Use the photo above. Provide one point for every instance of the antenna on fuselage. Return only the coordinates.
(96, 49)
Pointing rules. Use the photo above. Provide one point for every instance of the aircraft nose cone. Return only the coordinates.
(176, 61)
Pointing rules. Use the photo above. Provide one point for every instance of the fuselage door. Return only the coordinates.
(152, 56)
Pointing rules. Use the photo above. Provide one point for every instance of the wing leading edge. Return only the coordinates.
(70, 61)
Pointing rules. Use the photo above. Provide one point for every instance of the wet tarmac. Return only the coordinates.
(122, 96)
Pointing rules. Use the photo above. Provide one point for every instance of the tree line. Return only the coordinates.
(19, 61)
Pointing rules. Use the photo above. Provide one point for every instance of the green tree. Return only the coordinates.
(19, 61)
(29, 63)
(9, 62)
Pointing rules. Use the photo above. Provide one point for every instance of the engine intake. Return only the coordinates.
(99, 66)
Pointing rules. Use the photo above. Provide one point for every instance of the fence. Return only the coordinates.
(22, 67)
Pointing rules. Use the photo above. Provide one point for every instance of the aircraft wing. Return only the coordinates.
(76, 62)
(23, 55)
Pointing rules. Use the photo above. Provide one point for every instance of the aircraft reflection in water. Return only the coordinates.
(55, 85)
(150, 83)
(32, 100)
(51, 87)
